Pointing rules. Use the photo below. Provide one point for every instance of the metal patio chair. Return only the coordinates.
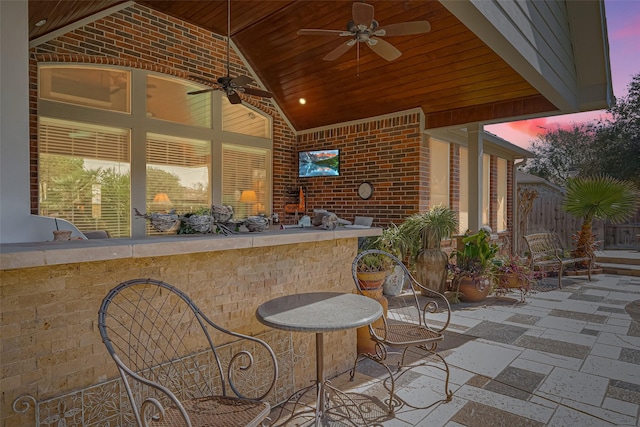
(173, 373)
(416, 317)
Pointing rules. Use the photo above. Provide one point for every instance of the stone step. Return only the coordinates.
(621, 269)
(627, 257)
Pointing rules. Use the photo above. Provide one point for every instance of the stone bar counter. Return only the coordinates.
(51, 292)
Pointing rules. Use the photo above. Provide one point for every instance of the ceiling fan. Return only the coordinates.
(362, 28)
(236, 85)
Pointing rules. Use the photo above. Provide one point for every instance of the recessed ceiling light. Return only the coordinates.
(302, 101)
(41, 22)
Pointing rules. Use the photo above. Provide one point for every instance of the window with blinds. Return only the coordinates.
(94, 163)
(464, 190)
(177, 174)
(244, 179)
(84, 175)
(502, 194)
(486, 192)
(439, 173)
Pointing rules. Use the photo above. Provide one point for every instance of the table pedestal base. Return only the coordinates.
(332, 405)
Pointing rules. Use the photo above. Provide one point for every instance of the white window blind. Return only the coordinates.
(177, 174)
(439, 175)
(244, 179)
(464, 190)
(84, 175)
(486, 192)
(502, 194)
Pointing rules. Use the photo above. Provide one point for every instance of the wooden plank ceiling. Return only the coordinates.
(449, 72)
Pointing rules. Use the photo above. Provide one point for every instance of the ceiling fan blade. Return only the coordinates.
(257, 92)
(310, 32)
(241, 80)
(385, 49)
(362, 14)
(196, 92)
(337, 52)
(405, 28)
(234, 98)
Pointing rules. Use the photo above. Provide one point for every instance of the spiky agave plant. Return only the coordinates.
(598, 197)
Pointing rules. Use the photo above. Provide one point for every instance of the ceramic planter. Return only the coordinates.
(431, 269)
(371, 279)
(473, 289)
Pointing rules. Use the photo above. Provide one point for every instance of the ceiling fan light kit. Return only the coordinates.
(362, 28)
(232, 86)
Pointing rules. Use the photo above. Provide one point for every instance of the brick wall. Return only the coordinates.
(140, 37)
(50, 344)
(390, 153)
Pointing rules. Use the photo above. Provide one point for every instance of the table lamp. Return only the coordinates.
(250, 197)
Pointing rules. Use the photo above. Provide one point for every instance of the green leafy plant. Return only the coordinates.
(475, 258)
(389, 241)
(423, 231)
(598, 197)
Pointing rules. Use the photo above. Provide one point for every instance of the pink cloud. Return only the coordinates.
(631, 30)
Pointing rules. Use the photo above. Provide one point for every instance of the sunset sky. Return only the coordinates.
(623, 25)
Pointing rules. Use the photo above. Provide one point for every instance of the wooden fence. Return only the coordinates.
(547, 216)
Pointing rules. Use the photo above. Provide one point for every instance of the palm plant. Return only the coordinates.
(422, 234)
(598, 197)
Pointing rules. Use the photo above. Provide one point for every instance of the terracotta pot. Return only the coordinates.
(473, 289)
(512, 281)
(371, 279)
(364, 342)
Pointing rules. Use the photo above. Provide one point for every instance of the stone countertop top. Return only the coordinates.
(319, 312)
(37, 254)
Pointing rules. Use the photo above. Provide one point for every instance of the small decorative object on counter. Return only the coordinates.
(61, 235)
(256, 223)
(221, 213)
(330, 222)
(164, 222)
(200, 223)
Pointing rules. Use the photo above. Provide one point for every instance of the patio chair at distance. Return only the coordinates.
(414, 322)
(173, 373)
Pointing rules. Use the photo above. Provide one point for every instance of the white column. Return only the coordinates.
(14, 121)
(475, 175)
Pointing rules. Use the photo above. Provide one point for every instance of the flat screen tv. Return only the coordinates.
(318, 163)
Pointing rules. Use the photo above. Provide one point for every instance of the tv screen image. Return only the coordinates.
(318, 163)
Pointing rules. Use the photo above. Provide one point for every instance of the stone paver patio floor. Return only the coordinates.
(566, 357)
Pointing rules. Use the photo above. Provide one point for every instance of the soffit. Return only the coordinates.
(449, 72)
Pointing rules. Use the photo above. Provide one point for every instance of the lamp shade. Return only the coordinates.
(248, 196)
(162, 198)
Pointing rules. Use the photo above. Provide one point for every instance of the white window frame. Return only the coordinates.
(141, 125)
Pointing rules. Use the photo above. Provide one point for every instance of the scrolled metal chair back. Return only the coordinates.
(154, 332)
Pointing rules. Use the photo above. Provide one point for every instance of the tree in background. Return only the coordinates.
(561, 154)
(617, 145)
(608, 147)
(598, 197)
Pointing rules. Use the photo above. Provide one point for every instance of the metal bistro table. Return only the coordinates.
(319, 312)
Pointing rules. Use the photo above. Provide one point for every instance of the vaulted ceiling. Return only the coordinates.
(452, 75)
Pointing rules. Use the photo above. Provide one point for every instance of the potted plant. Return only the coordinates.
(422, 235)
(472, 271)
(374, 269)
(513, 272)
